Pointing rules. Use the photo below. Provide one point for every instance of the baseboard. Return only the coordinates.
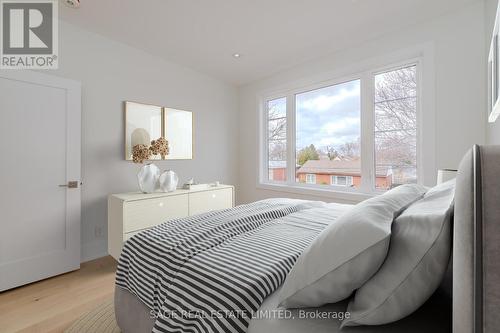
(94, 250)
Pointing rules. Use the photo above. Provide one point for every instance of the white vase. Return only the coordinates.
(168, 181)
(148, 178)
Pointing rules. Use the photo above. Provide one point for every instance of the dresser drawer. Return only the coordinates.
(201, 202)
(142, 214)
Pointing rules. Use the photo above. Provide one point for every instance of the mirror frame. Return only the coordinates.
(162, 130)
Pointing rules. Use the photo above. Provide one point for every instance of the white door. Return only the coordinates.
(40, 137)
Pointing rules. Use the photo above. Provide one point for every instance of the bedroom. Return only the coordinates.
(333, 102)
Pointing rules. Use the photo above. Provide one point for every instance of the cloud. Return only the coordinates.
(338, 127)
(326, 102)
(329, 116)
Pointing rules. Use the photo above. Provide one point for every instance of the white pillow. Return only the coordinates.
(348, 252)
(416, 263)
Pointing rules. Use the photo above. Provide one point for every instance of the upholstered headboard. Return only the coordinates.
(476, 242)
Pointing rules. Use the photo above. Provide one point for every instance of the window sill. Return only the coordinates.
(328, 193)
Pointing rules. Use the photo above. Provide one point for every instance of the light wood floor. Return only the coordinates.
(52, 305)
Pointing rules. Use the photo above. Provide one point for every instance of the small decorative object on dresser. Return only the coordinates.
(149, 174)
(148, 178)
(168, 181)
(195, 186)
(131, 213)
(192, 185)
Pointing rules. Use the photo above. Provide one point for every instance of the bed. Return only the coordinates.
(465, 301)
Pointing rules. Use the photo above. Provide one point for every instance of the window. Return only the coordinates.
(276, 138)
(357, 134)
(342, 180)
(328, 129)
(396, 127)
(310, 178)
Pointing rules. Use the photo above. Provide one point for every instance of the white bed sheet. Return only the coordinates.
(270, 322)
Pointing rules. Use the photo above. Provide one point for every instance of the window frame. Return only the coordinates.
(367, 91)
(264, 143)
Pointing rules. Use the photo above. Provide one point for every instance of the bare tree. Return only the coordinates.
(276, 134)
(396, 117)
(277, 124)
(332, 153)
(348, 150)
(277, 151)
(396, 122)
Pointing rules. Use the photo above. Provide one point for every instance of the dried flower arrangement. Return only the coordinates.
(159, 147)
(141, 153)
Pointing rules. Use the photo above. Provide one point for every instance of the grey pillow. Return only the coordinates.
(416, 263)
(348, 252)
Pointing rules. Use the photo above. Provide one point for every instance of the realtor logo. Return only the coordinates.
(29, 34)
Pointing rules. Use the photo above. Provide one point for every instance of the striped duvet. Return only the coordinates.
(211, 272)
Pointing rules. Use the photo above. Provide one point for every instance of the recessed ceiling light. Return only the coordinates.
(236, 55)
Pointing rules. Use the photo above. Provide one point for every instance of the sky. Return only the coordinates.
(329, 116)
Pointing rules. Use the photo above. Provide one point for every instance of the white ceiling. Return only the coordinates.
(270, 35)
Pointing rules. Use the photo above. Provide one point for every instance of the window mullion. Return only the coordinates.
(367, 137)
(264, 144)
(290, 135)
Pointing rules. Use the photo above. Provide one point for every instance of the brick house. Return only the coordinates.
(340, 173)
(277, 171)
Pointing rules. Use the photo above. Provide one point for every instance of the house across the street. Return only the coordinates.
(340, 173)
(277, 171)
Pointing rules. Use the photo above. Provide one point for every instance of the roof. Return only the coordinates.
(338, 167)
(277, 164)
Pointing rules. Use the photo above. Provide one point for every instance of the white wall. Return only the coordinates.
(490, 12)
(460, 85)
(111, 73)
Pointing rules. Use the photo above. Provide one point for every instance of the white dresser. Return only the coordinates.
(130, 213)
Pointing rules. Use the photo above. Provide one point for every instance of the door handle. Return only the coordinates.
(70, 184)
